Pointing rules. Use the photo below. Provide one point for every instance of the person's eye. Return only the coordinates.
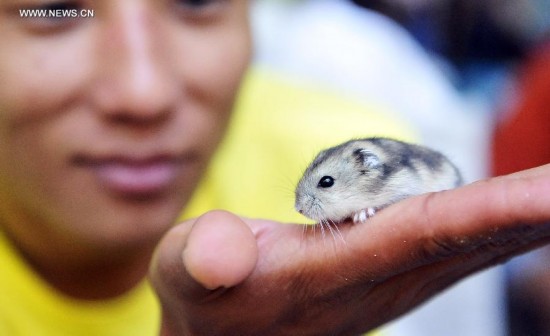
(59, 6)
(200, 9)
(48, 16)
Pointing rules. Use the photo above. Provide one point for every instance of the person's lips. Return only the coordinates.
(135, 177)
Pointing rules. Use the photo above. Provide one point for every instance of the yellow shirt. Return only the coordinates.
(29, 307)
(277, 129)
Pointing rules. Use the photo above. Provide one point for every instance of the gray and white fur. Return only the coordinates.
(359, 177)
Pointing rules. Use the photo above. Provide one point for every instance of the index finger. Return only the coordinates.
(505, 215)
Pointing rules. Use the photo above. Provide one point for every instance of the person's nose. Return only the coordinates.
(136, 82)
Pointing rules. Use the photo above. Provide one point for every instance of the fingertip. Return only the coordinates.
(221, 250)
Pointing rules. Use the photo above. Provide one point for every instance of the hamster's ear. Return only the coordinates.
(367, 158)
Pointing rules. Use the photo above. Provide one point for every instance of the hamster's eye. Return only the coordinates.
(326, 182)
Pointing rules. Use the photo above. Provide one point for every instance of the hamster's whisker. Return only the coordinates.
(317, 212)
(322, 225)
(325, 223)
(331, 223)
(304, 230)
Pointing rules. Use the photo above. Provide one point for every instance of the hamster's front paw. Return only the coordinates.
(362, 215)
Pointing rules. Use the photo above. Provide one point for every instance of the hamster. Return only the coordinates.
(359, 177)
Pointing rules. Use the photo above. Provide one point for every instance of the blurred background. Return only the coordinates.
(471, 78)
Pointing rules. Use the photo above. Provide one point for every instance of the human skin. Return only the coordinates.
(106, 125)
(265, 278)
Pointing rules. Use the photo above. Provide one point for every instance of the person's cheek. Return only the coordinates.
(41, 74)
(41, 78)
(213, 66)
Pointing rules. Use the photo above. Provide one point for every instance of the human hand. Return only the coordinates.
(225, 275)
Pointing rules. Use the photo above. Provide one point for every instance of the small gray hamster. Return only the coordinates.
(359, 177)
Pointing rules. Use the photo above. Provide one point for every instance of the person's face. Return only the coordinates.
(106, 123)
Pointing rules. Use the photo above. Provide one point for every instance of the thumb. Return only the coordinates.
(221, 250)
(216, 250)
